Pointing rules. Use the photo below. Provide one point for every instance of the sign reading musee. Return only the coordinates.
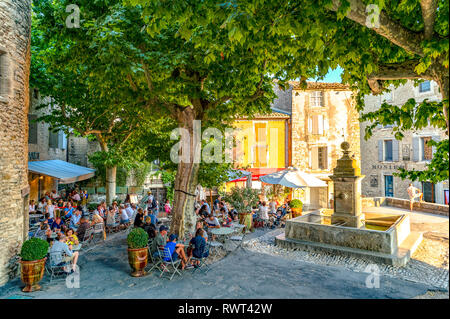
(387, 166)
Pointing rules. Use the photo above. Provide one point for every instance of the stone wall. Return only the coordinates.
(375, 170)
(15, 17)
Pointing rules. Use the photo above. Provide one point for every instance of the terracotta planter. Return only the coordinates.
(296, 212)
(31, 272)
(138, 258)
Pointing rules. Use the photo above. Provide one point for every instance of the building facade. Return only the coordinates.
(43, 144)
(15, 17)
(308, 126)
(323, 116)
(382, 154)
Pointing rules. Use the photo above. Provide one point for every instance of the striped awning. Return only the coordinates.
(65, 172)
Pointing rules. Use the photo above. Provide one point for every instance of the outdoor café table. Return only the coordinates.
(237, 226)
(76, 247)
(35, 217)
(222, 232)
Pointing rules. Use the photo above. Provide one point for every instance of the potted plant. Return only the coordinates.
(137, 241)
(32, 263)
(243, 199)
(296, 207)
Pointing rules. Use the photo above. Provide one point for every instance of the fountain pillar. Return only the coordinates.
(347, 191)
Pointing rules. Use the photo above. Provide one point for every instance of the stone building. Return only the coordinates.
(43, 145)
(312, 124)
(323, 116)
(15, 23)
(382, 154)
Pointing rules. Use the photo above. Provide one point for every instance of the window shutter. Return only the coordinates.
(395, 150)
(315, 124)
(320, 124)
(309, 159)
(416, 148)
(380, 150)
(325, 158)
(52, 139)
(64, 146)
(309, 125)
(437, 139)
(325, 125)
(60, 139)
(315, 158)
(32, 129)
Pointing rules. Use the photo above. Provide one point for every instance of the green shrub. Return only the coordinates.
(137, 238)
(34, 249)
(92, 206)
(296, 203)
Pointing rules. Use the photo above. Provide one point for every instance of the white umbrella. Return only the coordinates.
(293, 178)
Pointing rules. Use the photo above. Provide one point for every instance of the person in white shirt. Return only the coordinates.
(413, 193)
(263, 212)
(50, 208)
(54, 195)
(41, 205)
(32, 207)
(76, 197)
(129, 210)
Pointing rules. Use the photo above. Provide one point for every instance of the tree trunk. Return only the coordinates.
(110, 184)
(184, 218)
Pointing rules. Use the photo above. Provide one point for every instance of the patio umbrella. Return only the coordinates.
(293, 178)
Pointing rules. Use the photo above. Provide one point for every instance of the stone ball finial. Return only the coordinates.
(345, 146)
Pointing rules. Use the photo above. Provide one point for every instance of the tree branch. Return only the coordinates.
(429, 8)
(395, 71)
(388, 28)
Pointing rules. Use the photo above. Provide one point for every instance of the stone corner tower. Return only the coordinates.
(15, 26)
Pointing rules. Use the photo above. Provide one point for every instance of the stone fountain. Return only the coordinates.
(345, 230)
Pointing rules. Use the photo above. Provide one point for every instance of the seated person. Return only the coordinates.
(227, 221)
(49, 219)
(32, 207)
(57, 224)
(44, 232)
(68, 211)
(72, 239)
(160, 241)
(84, 225)
(139, 219)
(59, 248)
(176, 250)
(149, 227)
(203, 212)
(124, 220)
(75, 219)
(198, 244)
(212, 221)
(153, 218)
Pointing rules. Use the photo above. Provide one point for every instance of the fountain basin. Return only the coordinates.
(383, 238)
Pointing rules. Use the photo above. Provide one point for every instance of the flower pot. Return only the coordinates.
(296, 212)
(247, 220)
(31, 272)
(137, 258)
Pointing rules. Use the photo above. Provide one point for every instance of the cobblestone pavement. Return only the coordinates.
(429, 264)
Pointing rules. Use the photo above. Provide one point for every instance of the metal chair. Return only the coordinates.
(202, 265)
(168, 266)
(56, 265)
(98, 231)
(215, 246)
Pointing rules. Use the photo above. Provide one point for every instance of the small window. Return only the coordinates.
(3, 75)
(388, 150)
(316, 99)
(427, 150)
(322, 157)
(32, 129)
(425, 86)
(52, 139)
